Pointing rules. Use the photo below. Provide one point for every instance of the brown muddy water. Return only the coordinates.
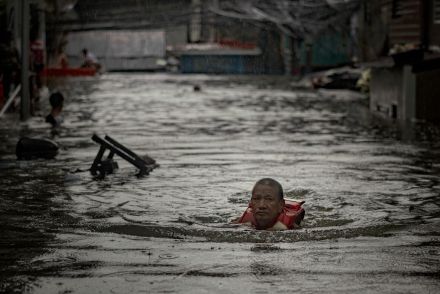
(371, 191)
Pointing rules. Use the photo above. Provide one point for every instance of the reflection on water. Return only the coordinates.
(371, 190)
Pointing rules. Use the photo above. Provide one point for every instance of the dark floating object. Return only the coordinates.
(29, 148)
(102, 167)
(339, 78)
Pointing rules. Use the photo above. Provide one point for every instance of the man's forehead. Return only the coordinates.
(265, 187)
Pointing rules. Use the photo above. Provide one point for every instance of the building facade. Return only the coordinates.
(405, 75)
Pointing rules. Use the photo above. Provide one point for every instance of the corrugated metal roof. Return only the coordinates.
(406, 22)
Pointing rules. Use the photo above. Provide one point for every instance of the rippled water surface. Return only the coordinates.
(371, 190)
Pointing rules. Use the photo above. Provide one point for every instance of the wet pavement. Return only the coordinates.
(371, 189)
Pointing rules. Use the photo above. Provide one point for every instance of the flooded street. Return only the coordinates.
(371, 191)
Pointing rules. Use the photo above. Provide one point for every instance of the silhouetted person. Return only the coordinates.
(90, 60)
(54, 117)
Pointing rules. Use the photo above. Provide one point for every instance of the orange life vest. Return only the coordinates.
(291, 216)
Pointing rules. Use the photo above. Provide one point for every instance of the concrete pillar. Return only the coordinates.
(212, 31)
(286, 41)
(408, 94)
(13, 20)
(309, 57)
(25, 107)
(195, 29)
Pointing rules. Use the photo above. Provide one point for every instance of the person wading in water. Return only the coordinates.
(268, 210)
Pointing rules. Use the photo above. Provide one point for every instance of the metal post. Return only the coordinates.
(309, 57)
(13, 19)
(195, 21)
(408, 106)
(286, 42)
(212, 23)
(42, 26)
(25, 107)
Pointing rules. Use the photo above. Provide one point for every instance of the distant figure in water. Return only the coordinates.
(61, 59)
(268, 210)
(54, 117)
(90, 60)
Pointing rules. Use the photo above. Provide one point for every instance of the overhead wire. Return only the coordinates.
(304, 19)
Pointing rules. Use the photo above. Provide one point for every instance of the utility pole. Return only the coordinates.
(25, 105)
(212, 23)
(286, 45)
(195, 21)
(42, 27)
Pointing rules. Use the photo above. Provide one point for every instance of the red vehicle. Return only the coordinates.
(62, 72)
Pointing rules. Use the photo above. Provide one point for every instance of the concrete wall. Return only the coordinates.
(386, 91)
(329, 50)
(175, 36)
(401, 94)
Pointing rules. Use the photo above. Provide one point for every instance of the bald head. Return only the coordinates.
(272, 183)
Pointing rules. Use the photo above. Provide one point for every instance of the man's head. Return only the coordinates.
(56, 100)
(84, 51)
(267, 202)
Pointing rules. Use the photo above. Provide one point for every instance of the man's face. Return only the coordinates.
(266, 205)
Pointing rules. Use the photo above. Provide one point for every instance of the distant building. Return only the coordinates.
(331, 49)
(119, 50)
(230, 46)
(400, 40)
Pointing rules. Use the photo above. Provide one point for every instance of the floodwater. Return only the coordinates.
(371, 190)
